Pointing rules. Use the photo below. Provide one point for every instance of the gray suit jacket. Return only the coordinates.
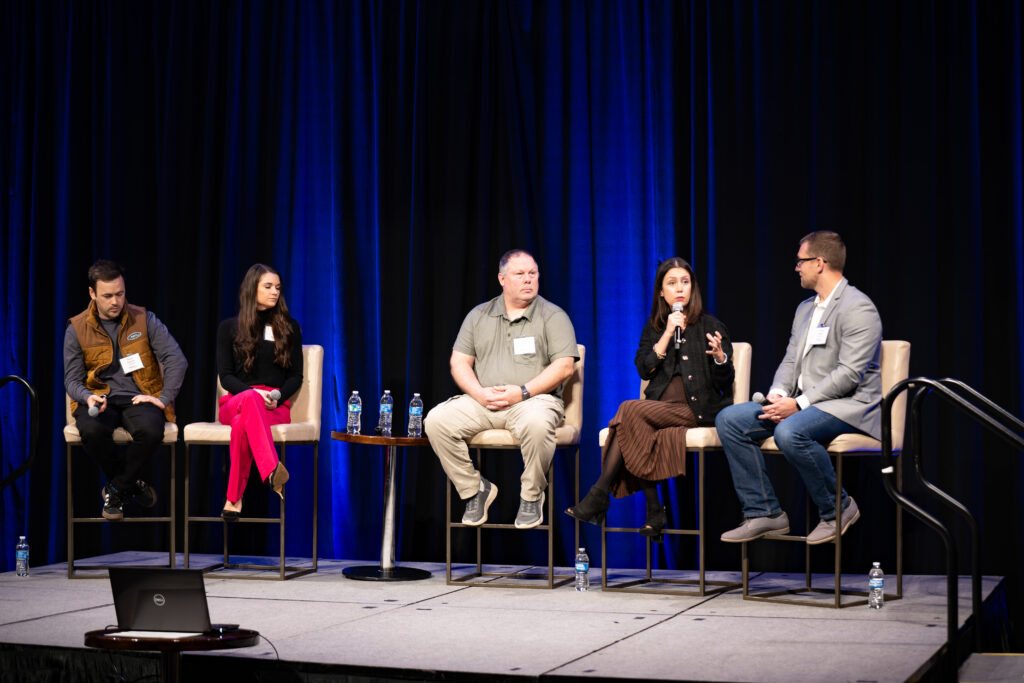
(842, 376)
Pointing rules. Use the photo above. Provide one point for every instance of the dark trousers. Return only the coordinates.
(145, 422)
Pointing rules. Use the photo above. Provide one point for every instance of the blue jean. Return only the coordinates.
(801, 437)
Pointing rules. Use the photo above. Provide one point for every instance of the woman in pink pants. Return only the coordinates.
(259, 361)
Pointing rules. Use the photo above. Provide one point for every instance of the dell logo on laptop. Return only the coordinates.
(158, 599)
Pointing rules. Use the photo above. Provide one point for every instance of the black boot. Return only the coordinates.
(656, 520)
(592, 507)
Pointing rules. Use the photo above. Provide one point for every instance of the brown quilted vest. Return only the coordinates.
(98, 351)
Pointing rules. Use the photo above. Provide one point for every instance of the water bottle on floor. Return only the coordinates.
(876, 587)
(387, 406)
(21, 556)
(416, 416)
(355, 411)
(582, 570)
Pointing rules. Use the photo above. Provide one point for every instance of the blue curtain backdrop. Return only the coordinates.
(382, 155)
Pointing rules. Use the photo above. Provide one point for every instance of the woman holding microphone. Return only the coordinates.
(686, 357)
(259, 362)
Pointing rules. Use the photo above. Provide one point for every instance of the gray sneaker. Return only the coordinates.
(756, 527)
(826, 529)
(476, 507)
(531, 513)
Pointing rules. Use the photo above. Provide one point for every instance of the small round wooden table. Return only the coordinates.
(387, 570)
(170, 649)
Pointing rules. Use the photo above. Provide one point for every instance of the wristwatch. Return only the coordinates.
(526, 393)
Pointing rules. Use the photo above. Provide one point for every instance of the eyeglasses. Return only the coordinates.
(800, 261)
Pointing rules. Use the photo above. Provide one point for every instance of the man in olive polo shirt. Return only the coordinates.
(511, 357)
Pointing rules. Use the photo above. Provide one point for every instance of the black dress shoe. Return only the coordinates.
(592, 508)
(230, 515)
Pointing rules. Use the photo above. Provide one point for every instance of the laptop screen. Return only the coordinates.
(159, 599)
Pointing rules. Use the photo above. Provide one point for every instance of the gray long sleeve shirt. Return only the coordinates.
(165, 348)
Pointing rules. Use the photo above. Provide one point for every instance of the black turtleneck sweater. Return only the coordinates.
(264, 371)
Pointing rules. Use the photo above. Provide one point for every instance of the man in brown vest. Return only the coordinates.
(122, 368)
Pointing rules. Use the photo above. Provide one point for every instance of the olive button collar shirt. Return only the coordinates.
(515, 351)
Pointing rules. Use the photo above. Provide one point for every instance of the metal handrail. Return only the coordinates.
(33, 430)
(1001, 424)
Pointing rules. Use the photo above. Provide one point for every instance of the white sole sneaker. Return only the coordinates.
(540, 517)
(491, 495)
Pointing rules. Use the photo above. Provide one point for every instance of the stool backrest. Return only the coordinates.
(572, 392)
(742, 353)
(896, 368)
(307, 401)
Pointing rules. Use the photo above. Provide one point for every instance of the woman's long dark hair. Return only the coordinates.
(660, 308)
(250, 330)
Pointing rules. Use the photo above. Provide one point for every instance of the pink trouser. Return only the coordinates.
(250, 423)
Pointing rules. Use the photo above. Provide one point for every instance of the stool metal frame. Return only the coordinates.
(121, 437)
(701, 582)
(836, 591)
(550, 578)
(282, 569)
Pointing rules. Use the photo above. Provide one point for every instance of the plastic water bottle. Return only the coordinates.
(582, 570)
(416, 416)
(387, 407)
(355, 411)
(876, 587)
(21, 556)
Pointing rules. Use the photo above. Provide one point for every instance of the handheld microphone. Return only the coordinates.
(759, 398)
(677, 307)
(94, 410)
(275, 394)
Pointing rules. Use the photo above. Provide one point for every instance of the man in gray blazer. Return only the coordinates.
(828, 384)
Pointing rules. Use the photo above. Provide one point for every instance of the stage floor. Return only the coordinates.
(329, 626)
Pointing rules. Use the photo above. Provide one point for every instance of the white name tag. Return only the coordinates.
(268, 333)
(819, 335)
(521, 345)
(131, 363)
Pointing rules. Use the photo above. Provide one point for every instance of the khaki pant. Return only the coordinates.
(532, 422)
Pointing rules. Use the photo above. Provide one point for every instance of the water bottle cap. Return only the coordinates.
(387, 391)
(355, 392)
(415, 394)
(876, 564)
(21, 538)
(583, 550)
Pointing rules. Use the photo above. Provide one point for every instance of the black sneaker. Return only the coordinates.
(113, 506)
(144, 494)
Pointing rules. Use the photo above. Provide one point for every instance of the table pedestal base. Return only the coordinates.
(375, 573)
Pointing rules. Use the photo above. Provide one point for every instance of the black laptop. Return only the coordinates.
(160, 599)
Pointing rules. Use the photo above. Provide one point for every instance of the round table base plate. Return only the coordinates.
(375, 573)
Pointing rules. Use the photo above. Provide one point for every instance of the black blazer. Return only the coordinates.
(708, 384)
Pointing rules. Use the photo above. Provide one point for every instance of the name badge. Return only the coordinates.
(268, 333)
(819, 335)
(131, 363)
(521, 345)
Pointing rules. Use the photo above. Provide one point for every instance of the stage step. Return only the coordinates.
(995, 667)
